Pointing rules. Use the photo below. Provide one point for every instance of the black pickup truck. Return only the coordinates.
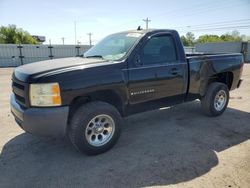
(86, 97)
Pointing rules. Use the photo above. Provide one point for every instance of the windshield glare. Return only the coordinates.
(113, 47)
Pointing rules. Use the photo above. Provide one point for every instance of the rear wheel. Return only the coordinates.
(95, 128)
(216, 99)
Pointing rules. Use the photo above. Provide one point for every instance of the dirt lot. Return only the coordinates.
(175, 147)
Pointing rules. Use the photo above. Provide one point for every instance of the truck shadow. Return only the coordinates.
(163, 147)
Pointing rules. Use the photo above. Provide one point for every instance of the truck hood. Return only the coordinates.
(22, 73)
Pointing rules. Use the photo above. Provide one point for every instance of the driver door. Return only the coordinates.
(157, 73)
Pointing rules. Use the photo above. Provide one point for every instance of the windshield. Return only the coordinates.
(113, 47)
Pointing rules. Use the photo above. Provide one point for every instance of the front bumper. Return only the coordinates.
(41, 121)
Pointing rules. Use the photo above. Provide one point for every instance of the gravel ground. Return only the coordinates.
(172, 147)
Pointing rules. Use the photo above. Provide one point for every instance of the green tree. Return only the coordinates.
(14, 35)
(208, 38)
(184, 40)
(190, 38)
(234, 36)
(235, 33)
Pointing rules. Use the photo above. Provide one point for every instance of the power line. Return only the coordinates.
(173, 11)
(221, 28)
(241, 21)
(194, 10)
(213, 6)
(183, 10)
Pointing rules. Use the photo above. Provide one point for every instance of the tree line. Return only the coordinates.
(234, 36)
(13, 35)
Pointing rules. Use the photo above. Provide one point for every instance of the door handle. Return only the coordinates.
(174, 71)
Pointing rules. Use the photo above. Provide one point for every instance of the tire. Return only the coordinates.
(95, 127)
(213, 103)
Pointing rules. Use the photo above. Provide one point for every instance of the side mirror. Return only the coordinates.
(138, 60)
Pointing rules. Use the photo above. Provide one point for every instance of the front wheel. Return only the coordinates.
(216, 99)
(95, 128)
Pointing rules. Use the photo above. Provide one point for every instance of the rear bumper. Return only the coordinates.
(41, 121)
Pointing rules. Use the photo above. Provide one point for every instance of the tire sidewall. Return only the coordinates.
(82, 119)
(214, 93)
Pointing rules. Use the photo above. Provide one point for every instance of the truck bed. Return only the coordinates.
(203, 66)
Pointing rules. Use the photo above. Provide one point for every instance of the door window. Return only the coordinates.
(159, 49)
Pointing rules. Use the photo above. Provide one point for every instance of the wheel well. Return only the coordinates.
(225, 77)
(108, 96)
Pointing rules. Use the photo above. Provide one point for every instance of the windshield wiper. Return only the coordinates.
(98, 56)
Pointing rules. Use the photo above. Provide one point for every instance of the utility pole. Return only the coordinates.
(75, 34)
(147, 21)
(63, 40)
(90, 41)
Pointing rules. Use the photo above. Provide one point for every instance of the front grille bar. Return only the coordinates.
(20, 89)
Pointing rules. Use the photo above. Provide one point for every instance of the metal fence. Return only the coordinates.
(226, 47)
(12, 55)
(189, 49)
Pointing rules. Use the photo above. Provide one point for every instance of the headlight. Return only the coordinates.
(45, 94)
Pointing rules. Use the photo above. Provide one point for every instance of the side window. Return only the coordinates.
(159, 49)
